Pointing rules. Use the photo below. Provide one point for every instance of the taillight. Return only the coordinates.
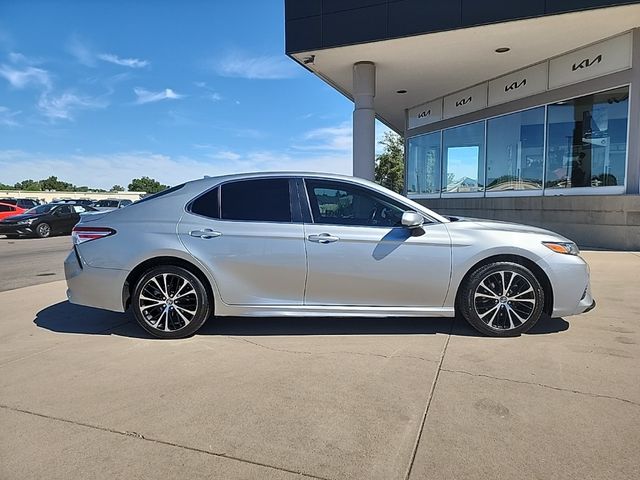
(84, 234)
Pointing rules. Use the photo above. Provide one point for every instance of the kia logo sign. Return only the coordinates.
(586, 63)
(515, 85)
(424, 113)
(464, 101)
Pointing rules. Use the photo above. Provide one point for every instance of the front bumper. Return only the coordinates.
(570, 280)
(15, 229)
(94, 287)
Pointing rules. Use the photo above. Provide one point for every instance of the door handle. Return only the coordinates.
(323, 238)
(205, 233)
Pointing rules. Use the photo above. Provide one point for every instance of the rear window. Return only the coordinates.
(207, 205)
(260, 200)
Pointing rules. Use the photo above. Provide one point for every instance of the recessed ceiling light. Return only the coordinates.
(401, 91)
(502, 50)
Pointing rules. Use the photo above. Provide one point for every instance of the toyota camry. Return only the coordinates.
(298, 244)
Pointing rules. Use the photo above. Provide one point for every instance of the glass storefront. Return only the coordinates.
(585, 146)
(423, 164)
(515, 151)
(463, 151)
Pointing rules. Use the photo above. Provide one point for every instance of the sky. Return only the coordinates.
(100, 92)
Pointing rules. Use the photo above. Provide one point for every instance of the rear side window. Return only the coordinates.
(5, 208)
(207, 205)
(260, 200)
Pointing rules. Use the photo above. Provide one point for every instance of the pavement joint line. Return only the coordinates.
(428, 404)
(162, 442)
(551, 387)
(337, 352)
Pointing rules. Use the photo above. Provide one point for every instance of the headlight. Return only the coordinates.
(567, 248)
(28, 221)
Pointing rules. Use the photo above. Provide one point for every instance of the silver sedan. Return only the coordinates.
(297, 244)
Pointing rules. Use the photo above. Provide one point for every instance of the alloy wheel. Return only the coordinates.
(44, 230)
(504, 300)
(168, 302)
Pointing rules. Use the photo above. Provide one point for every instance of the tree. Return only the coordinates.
(146, 184)
(29, 185)
(52, 183)
(4, 186)
(390, 163)
(117, 188)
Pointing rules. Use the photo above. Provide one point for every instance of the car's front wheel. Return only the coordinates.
(502, 299)
(43, 230)
(170, 302)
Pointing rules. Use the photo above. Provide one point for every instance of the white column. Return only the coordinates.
(364, 116)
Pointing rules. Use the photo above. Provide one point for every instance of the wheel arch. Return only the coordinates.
(537, 271)
(146, 265)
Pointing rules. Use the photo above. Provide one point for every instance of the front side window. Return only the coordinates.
(463, 153)
(587, 141)
(515, 151)
(423, 164)
(339, 203)
(63, 210)
(260, 200)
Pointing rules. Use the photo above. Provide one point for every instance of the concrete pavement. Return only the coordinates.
(86, 394)
(32, 261)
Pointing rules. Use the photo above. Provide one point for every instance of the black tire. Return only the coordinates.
(170, 316)
(43, 230)
(490, 309)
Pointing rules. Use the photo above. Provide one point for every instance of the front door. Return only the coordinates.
(359, 254)
(246, 234)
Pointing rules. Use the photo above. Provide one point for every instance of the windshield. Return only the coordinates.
(41, 209)
(107, 203)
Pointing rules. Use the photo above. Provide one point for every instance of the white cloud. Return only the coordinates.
(146, 96)
(125, 62)
(336, 138)
(86, 55)
(105, 170)
(64, 106)
(81, 51)
(264, 67)
(25, 77)
(7, 117)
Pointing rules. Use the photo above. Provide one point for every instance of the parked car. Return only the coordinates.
(111, 204)
(44, 220)
(316, 245)
(25, 203)
(8, 210)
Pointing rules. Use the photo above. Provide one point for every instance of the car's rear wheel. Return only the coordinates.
(170, 302)
(43, 230)
(502, 299)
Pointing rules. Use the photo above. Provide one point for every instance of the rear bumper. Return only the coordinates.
(94, 287)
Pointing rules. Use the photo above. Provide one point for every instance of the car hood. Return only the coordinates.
(21, 217)
(496, 225)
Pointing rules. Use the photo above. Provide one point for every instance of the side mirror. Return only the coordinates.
(412, 220)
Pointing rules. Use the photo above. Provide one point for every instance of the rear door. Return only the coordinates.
(359, 254)
(249, 234)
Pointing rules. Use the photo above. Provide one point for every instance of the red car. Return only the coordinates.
(8, 210)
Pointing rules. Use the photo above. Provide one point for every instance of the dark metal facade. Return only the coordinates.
(316, 24)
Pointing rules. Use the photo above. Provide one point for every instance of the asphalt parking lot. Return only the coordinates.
(86, 394)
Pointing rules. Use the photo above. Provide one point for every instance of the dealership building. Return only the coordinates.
(525, 111)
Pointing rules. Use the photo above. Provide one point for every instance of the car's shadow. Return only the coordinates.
(65, 317)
